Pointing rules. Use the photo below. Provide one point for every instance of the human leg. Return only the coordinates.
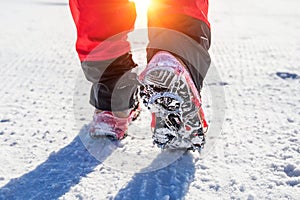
(106, 60)
(178, 60)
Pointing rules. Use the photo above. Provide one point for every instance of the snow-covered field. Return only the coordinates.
(256, 50)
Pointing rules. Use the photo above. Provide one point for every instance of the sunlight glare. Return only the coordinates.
(142, 5)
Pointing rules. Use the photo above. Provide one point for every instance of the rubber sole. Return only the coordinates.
(170, 94)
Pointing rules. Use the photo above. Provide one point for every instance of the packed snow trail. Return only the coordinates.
(255, 48)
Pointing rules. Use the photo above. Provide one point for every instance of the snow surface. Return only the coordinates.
(255, 49)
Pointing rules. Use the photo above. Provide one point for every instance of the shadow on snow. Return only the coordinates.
(171, 182)
(64, 169)
(55, 176)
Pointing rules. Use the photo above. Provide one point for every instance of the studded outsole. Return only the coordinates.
(167, 93)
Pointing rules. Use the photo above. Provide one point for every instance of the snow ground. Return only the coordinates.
(255, 48)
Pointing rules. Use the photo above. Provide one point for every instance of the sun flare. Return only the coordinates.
(142, 5)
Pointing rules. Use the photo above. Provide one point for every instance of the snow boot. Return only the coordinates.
(170, 94)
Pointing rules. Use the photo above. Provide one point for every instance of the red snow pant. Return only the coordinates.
(178, 26)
